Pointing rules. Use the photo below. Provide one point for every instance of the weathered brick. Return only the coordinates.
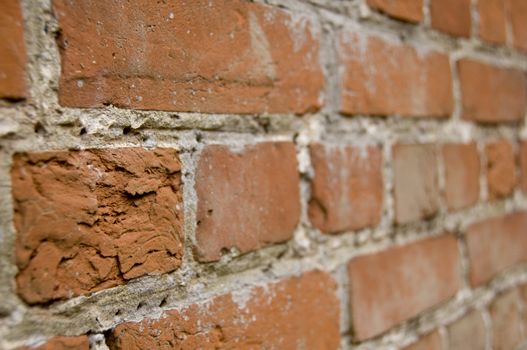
(492, 20)
(409, 10)
(297, 313)
(431, 341)
(523, 165)
(391, 286)
(409, 83)
(62, 343)
(451, 16)
(246, 199)
(205, 55)
(518, 19)
(491, 94)
(89, 220)
(416, 190)
(13, 57)
(501, 169)
(496, 244)
(462, 168)
(347, 189)
(506, 321)
(467, 333)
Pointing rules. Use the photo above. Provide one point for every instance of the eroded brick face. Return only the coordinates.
(507, 322)
(462, 170)
(394, 285)
(451, 16)
(13, 51)
(347, 189)
(63, 343)
(247, 199)
(501, 169)
(409, 10)
(202, 56)
(491, 94)
(496, 244)
(297, 313)
(408, 83)
(468, 333)
(523, 165)
(89, 220)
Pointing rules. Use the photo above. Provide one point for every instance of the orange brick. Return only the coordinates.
(93, 219)
(13, 51)
(246, 199)
(201, 56)
(462, 168)
(491, 94)
(409, 10)
(62, 343)
(298, 313)
(391, 286)
(506, 321)
(496, 244)
(501, 169)
(492, 20)
(415, 182)
(347, 189)
(518, 18)
(523, 165)
(431, 341)
(468, 333)
(451, 16)
(409, 83)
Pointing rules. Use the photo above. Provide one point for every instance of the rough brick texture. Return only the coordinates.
(492, 21)
(409, 10)
(62, 343)
(496, 244)
(468, 333)
(208, 56)
(501, 169)
(13, 57)
(518, 18)
(409, 83)
(451, 16)
(416, 189)
(246, 199)
(92, 219)
(391, 286)
(523, 166)
(431, 341)
(347, 189)
(297, 313)
(462, 170)
(507, 322)
(491, 94)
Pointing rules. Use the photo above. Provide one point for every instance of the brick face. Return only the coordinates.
(90, 220)
(506, 321)
(496, 244)
(297, 313)
(462, 168)
(501, 169)
(523, 165)
(62, 343)
(518, 18)
(491, 94)
(429, 342)
(410, 83)
(451, 16)
(415, 182)
(409, 10)
(391, 286)
(468, 333)
(492, 20)
(347, 189)
(246, 199)
(218, 56)
(13, 57)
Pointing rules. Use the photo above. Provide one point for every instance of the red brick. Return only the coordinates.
(431, 341)
(462, 168)
(451, 16)
(523, 165)
(506, 321)
(496, 244)
(409, 10)
(246, 199)
(501, 169)
(347, 189)
(491, 94)
(13, 57)
(391, 286)
(298, 313)
(492, 20)
(204, 55)
(62, 343)
(518, 18)
(92, 219)
(416, 190)
(467, 333)
(409, 83)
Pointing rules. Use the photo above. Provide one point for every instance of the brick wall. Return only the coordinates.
(276, 174)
